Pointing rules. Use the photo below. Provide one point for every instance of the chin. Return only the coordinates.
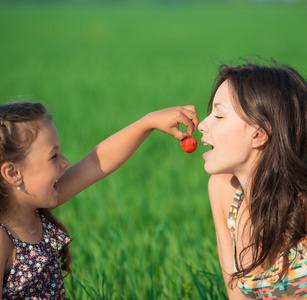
(209, 170)
(213, 171)
(52, 204)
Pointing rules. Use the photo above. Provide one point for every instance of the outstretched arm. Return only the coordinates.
(113, 152)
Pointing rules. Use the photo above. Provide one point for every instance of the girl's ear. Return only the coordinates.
(259, 138)
(11, 173)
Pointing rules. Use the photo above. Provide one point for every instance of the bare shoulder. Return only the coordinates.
(222, 185)
(5, 242)
(222, 188)
(5, 254)
(6, 251)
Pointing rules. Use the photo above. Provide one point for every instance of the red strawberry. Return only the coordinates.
(188, 144)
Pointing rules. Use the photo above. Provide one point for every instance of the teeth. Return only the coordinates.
(56, 180)
(206, 144)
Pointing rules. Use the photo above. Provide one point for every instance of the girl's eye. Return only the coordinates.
(218, 117)
(54, 156)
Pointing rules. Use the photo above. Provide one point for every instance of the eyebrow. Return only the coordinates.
(54, 148)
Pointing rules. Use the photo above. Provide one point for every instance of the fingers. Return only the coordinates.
(187, 116)
(179, 135)
(189, 119)
(189, 107)
(190, 127)
(168, 120)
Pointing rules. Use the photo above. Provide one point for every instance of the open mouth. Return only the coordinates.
(55, 187)
(209, 149)
(209, 146)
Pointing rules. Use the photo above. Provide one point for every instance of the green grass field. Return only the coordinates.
(146, 231)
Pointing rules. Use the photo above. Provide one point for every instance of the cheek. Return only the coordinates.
(237, 131)
(232, 139)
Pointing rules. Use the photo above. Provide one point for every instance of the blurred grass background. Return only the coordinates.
(146, 231)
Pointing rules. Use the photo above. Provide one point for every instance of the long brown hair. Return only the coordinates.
(275, 99)
(19, 126)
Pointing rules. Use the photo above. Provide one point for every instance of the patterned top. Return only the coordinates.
(264, 285)
(36, 271)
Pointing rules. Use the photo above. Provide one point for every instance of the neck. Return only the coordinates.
(244, 175)
(20, 218)
(245, 182)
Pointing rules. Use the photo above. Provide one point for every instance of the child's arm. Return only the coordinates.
(222, 189)
(113, 152)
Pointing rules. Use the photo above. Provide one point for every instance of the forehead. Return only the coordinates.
(224, 92)
(47, 131)
(224, 97)
(47, 137)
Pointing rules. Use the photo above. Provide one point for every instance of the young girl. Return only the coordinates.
(256, 130)
(34, 180)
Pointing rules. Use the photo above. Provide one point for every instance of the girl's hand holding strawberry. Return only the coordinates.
(168, 120)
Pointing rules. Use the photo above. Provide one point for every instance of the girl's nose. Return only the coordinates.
(202, 126)
(65, 162)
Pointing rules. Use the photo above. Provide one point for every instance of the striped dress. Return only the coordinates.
(264, 285)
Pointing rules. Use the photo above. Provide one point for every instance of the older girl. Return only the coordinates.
(256, 132)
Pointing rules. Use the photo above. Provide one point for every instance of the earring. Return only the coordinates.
(18, 188)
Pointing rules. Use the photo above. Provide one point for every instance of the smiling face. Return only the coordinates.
(43, 166)
(230, 138)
